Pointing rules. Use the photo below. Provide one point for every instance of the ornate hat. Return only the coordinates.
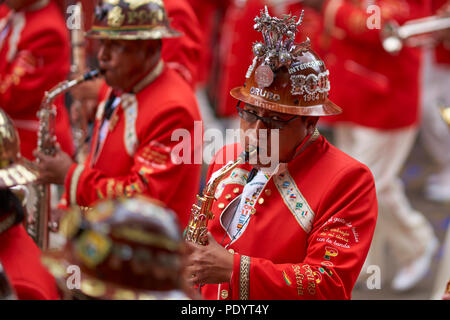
(286, 77)
(124, 248)
(131, 20)
(14, 169)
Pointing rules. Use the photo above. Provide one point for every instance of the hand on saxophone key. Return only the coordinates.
(208, 264)
(53, 169)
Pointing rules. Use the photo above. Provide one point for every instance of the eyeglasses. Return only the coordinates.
(270, 122)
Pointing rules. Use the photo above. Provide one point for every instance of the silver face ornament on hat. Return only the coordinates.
(285, 76)
(279, 37)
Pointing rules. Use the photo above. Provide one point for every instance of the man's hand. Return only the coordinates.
(208, 264)
(53, 169)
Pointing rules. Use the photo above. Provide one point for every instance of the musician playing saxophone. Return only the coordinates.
(300, 228)
(143, 103)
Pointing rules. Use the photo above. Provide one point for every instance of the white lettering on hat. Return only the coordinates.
(265, 94)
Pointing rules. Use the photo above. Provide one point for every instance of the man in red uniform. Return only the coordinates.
(380, 95)
(34, 57)
(144, 103)
(303, 229)
(19, 255)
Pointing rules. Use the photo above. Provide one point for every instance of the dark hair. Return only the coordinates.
(9, 203)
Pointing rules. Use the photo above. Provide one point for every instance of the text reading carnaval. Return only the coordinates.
(235, 309)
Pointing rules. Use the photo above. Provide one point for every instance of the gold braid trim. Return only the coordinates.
(244, 278)
(74, 184)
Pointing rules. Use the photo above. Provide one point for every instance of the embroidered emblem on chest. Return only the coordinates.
(294, 200)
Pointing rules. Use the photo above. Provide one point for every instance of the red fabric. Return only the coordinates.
(443, 54)
(209, 15)
(287, 261)
(183, 53)
(21, 259)
(235, 55)
(41, 61)
(150, 170)
(374, 88)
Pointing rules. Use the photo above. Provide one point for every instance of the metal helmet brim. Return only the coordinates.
(327, 108)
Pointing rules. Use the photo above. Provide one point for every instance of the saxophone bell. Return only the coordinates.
(197, 229)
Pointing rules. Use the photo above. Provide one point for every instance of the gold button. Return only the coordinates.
(224, 294)
(231, 251)
(221, 205)
(236, 190)
(268, 192)
(228, 196)
(261, 200)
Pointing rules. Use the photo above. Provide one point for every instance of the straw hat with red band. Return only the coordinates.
(14, 169)
(125, 249)
(286, 77)
(131, 20)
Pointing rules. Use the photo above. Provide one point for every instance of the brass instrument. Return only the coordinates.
(197, 228)
(79, 125)
(37, 224)
(445, 113)
(395, 36)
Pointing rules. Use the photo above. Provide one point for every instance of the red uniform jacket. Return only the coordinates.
(373, 87)
(34, 57)
(136, 156)
(21, 259)
(310, 233)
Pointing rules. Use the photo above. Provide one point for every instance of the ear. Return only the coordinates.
(310, 124)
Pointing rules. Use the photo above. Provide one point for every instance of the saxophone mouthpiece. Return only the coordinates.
(91, 75)
(252, 150)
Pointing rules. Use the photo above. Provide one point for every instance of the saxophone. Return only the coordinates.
(197, 228)
(37, 222)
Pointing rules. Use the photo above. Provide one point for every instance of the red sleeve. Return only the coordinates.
(346, 216)
(344, 19)
(154, 172)
(30, 291)
(183, 54)
(34, 70)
